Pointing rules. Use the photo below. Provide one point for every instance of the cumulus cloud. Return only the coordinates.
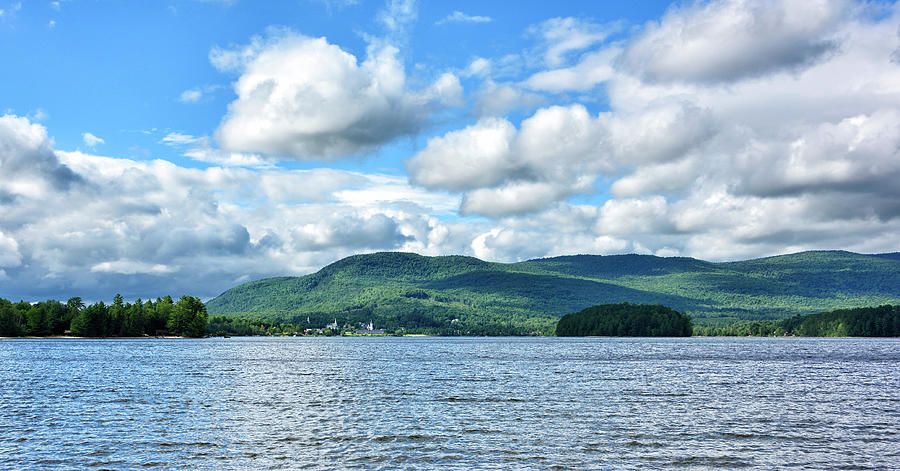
(377, 231)
(734, 129)
(519, 242)
(558, 152)
(478, 155)
(592, 69)
(515, 198)
(496, 99)
(27, 151)
(657, 178)
(857, 154)
(305, 98)
(663, 131)
(503, 170)
(727, 40)
(630, 217)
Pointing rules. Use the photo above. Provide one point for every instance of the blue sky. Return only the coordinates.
(153, 147)
(117, 68)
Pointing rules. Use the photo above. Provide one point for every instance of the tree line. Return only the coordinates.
(881, 321)
(187, 318)
(625, 320)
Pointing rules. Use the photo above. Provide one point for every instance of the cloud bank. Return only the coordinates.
(734, 129)
(80, 224)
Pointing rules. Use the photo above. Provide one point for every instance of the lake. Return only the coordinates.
(450, 403)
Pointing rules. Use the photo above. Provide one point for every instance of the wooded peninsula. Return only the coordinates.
(185, 318)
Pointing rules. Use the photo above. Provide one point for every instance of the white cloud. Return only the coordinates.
(796, 152)
(201, 149)
(554, 155)
(513, 244)
(460, 17)
(131, 267)
(726, 40)
(562, 36)
(9, 251)
(630, 217)
(594, 68)
(479, 67)
(663, 131)
(656, 178)
(857, 154)
(446, 90)
(515, 198)
(398, 15)
(496, 99)
(150, 227)
(27, 152)
(91, 140)
(387, 190)
(192, 95)
(177, 138)
(557, 152)
(304, 98)
(478, 155)
(234, 59)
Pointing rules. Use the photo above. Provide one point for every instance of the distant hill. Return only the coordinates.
(456, 294)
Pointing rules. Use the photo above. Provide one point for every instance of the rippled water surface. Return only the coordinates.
(450, 403)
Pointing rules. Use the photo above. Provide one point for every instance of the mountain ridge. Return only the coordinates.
(462, 294)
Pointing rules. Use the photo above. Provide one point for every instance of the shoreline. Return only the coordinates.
(171, 337)
(72, 337)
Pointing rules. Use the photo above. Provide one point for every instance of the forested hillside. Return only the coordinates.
(464, 295)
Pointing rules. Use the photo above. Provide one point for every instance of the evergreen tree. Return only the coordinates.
(188, 318)
(10, 320)
(36, 321)
(92, 321)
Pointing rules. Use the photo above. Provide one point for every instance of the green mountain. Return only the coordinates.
(457, 294)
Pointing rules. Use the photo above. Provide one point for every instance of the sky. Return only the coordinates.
(185, 146)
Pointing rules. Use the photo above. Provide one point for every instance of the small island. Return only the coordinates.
(625, 320)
